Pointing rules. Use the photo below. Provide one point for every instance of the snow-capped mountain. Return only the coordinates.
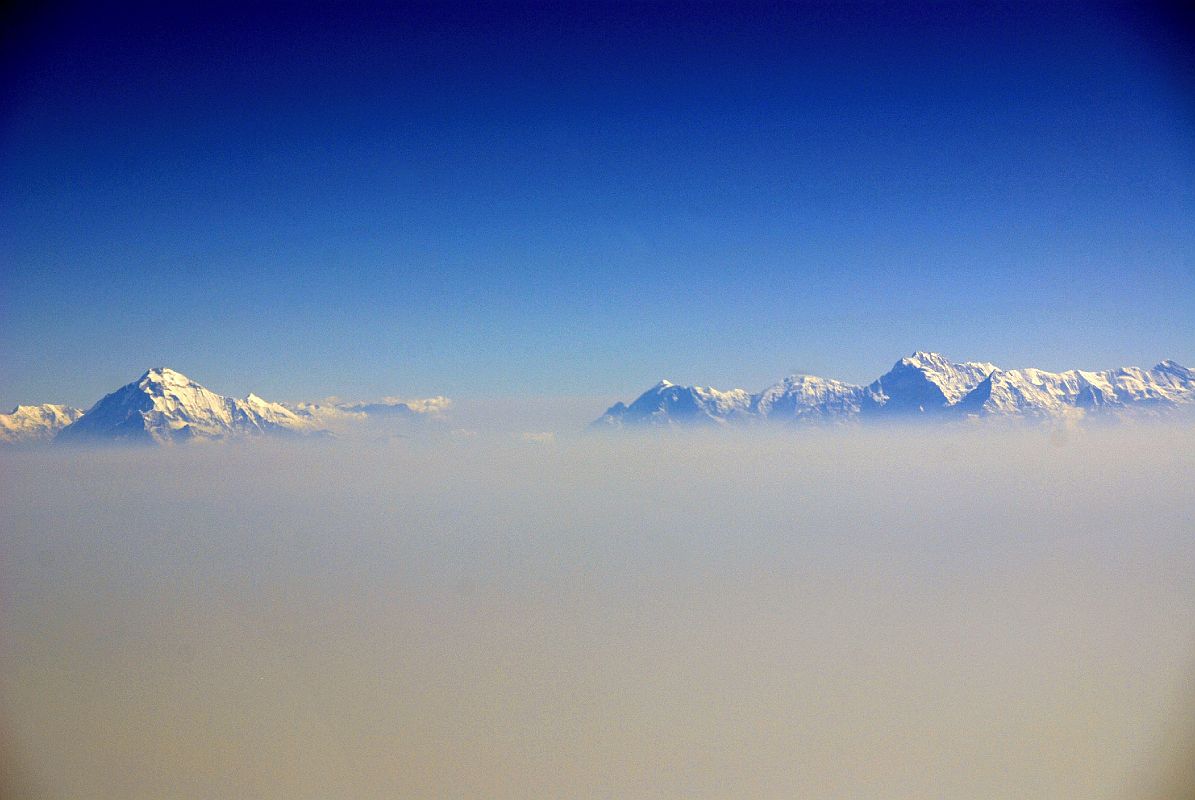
(802, 398)
(164, 406)
(30, 424)
(923, 385)
(1041, 394)
(669, 404)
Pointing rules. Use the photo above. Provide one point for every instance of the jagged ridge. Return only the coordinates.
(923, 385)
(1037, 393)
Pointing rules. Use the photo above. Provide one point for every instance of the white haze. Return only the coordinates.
(858, 613)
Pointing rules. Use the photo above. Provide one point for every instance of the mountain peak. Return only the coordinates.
(666, 403)
(1173, 368)
(164, 376)
(164, 406)
(925, 356)
(925, 382)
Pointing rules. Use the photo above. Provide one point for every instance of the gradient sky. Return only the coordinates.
(557, 199)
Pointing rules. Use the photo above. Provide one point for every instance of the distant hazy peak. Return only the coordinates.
(1174, 370)
(27, 424)
(667, 403)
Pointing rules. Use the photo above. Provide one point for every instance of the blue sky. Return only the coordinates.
(580, 199)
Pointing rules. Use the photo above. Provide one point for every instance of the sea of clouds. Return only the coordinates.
(879, 613)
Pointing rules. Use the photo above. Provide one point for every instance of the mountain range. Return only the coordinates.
(921, 386)
(165, 407)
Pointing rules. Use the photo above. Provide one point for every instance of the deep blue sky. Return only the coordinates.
(559, 199)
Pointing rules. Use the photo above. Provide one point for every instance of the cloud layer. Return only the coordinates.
(886, 613)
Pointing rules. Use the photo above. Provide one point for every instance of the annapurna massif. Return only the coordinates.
(923, 385)
(165, 407)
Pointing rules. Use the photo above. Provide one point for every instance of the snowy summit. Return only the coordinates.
(164, 406)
